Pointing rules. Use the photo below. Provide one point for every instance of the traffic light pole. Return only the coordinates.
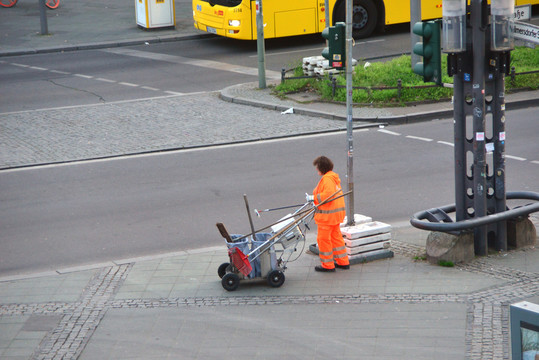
(479, 88)
(349, 114)
(261, 50)
(478, 47)
(478, 95)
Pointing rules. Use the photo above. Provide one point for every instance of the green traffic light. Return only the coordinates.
(430, 50)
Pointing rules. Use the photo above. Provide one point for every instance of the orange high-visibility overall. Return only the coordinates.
(328, 217)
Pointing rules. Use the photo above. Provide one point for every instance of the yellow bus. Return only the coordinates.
(237, 18)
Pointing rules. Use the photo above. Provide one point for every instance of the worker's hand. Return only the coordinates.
(309, 198)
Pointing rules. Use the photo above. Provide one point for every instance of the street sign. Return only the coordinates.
(526, 32)
(522, 12)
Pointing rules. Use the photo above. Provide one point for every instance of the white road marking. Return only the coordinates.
(20, 65)
(106, 80)
(535, 162)
(38, 68)
(418, 138)
(515, 158)
(149, 88)
(60, 72)
(83, 76)
(194, 62)
(128, 84)
(389, 132)
(446, 143)
(174, 93)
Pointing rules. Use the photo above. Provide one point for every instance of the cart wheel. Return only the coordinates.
(52, 4)
(8, 3)
(230, 281)
(275, 278)
(222, 269)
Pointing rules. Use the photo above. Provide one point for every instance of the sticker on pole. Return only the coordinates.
(480, 136)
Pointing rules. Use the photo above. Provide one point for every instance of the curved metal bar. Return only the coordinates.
(472, 223)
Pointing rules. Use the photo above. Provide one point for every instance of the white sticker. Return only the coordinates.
(489, 147)
(480, 136)
(502, 136)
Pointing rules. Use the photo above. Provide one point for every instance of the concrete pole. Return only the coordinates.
(349, 113)
(415, 16)
(260, 45)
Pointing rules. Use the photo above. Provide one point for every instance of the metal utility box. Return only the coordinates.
(155, 13)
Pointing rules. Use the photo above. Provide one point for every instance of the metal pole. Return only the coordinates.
(43, 17)
(260, 45)
(349, 113)
(478, 95)
(460, 147)
(498, 118)
(415, 16)
(326, 4)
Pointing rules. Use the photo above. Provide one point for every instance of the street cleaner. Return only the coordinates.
(328, 217)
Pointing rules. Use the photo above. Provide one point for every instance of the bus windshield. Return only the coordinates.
(228, 3)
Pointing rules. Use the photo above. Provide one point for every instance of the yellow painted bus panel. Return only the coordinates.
(295, 22)
(399, 11)
(297, 17)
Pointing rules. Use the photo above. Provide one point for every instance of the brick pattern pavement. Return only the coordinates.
(487, 331)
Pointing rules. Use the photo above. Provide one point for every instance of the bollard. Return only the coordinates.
(43, 17)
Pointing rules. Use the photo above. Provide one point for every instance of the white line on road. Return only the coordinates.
(20, 65)
(418, 138)
(515, 158)
(149, 88)
(106, 80)
(173, 92)
(445, 143)
(60, 72)
(535, 162)
(83, 76)
(389, 132)
(38, 68)
(128, 84)
(194, 62)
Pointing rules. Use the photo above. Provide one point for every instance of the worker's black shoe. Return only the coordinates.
(323, 269)
(344, 267)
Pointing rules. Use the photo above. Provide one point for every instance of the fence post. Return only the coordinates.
(399, 88)
(283, 72)
(513, 74)
(333, 85)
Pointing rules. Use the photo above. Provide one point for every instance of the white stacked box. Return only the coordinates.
(367, 237)
(358, 219)
(319, 65)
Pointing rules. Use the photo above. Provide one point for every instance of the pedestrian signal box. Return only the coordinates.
(336, 50)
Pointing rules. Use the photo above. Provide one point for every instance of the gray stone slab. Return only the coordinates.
(282, 331)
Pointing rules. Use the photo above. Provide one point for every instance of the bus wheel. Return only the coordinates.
(364, 17)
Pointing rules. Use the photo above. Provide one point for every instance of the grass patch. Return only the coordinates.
(388, 73)
(446, 263)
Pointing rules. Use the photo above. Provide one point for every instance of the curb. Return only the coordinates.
(226, 95)
(105, 44)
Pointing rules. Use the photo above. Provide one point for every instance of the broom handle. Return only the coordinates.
(329, 199)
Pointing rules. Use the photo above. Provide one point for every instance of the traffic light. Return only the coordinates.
(430, 49)
(336, 50)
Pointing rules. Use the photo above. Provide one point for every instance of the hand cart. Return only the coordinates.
(266, 254)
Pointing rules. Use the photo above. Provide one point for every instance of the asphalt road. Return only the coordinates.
(60, 216)
(95, 76)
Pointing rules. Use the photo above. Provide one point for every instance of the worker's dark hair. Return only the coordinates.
(323, 164)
